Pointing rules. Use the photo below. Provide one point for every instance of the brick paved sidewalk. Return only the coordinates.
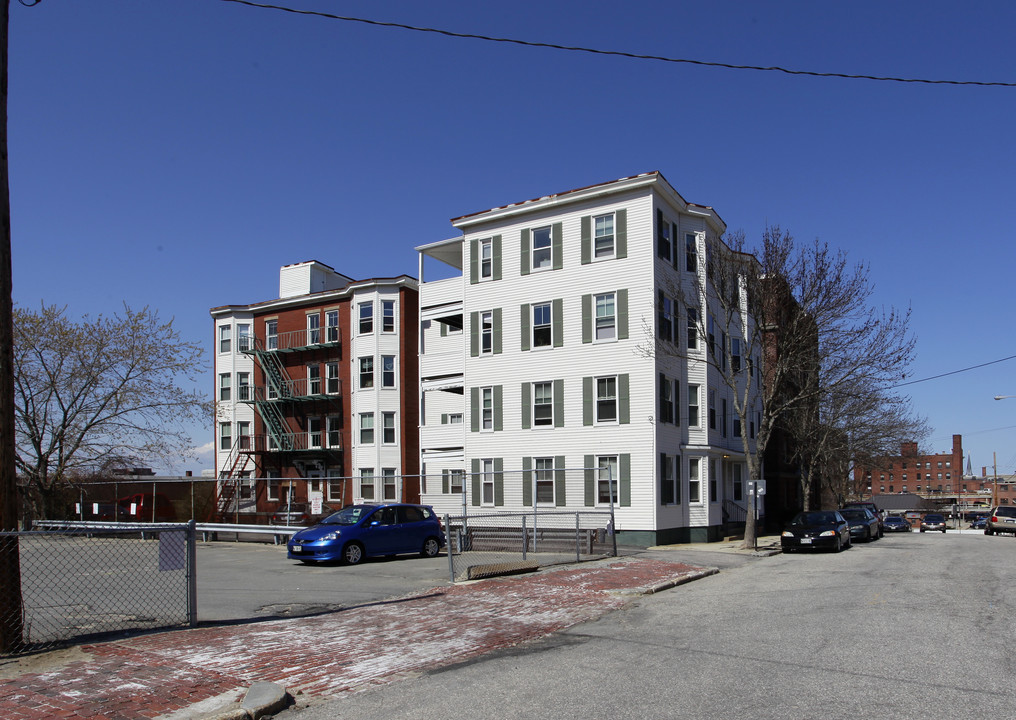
(330, 655)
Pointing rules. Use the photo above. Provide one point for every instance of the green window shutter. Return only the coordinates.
(556, 235)
(624, 481)
(587, 239)
(474, 334)
(587, 401)
(621, 234)
(444, 329)
(445, 483)
(495, 248)
(474, 261)
(587, 318)
(677, 402)
(498, 407)
(559, 490)
(524, 251)
(474, 409)
(527, 406)
(622, 314)
(475, 481)
(589, 481)
(497, 331)
(499, 481)
(444, 418)
(524, 326)
(557, 320)
(623, 399)
(674, 255)
(527, 482)
(680, 478)
(559, 403)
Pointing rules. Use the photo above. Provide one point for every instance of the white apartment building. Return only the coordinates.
(536, 390)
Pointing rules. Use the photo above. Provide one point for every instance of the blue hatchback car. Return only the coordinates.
(359, 531)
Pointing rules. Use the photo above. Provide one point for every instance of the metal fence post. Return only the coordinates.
(448, 544)
(525, 538)
(192, 573)
(578, 542)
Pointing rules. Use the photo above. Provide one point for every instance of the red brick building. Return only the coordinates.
(928, 475)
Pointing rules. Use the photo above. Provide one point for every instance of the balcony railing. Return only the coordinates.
(291, 341)
(298, 442)
(303, 389)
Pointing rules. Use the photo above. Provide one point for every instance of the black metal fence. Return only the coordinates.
(98, 579)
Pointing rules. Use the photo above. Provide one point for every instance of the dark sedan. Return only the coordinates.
(933, 522)
(818, 529)
(864, 525)
(894, 523)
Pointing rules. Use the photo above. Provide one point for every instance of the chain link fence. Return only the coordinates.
(95, 580)
(485, 545)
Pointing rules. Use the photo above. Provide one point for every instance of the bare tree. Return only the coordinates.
(97, 389)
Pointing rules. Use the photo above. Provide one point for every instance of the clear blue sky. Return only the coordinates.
(176, 153)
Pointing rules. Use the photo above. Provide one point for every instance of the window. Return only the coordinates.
(366, 373)
(606, 399)
(366, 318)
(243, 386)
(543, 404)
(243, 434)
(692, 328)
(690, 253)
(334, 488)
(452, 481)
(666, 399)
(712, 409)
(367, 483)
(367, 428)
(390, 485)
(487, 481)
(387, 371)
(668, 490)
(693, 406)
(544, 479)
(313, 379)
(723, 417)
(603, 236)
(388, 428)
(272, 334)
(332, 326)
(606, 317)
(333, 433)
(314, 432)
(451, 419)
(487, 259)
(225, 436)
(332, 378)
(606, 479)
(663, 248)
(738, 483)
(314, 329)
(735, 354)
(388, 316)
(486, 333)
(711, 333)
(487, 408)
(666, 317)
(542, 325)
(713, 495)
(694, 480)
(225, 338)
(542, 248)
(243, 343)
(224, 388)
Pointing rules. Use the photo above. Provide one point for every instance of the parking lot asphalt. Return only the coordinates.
(203, 672)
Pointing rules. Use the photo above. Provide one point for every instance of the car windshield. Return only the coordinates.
(348, 515)
(854, 514)
(933, 518)
(814, 518)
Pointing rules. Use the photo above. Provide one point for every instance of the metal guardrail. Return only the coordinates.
(205, 529)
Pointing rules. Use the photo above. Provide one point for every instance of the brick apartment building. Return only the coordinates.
(912, 472)
(317, 392)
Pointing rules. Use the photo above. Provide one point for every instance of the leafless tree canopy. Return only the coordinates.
(89, 391)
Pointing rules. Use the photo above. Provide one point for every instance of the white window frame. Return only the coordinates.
(225, 436)
(487, 408)
(543, 477)
(333, 384)
(331, 326)
(365, 372)
(487, 481)
(603, 398)
(243, 341)
(243, 436)
(225, 338)
(388, 323)
(225, 387)
(243, 391)
(456, 480)
(315, 438)
(314, 328)
(604, 243)
(694, 406)
(388, 428)
(365, 318)
(389, 486)
(486, 260)
(605, 324)
(690, 252)
(544, 327)
(543, 396)
(388, 377)
(333, 431)
(606, 472)
(368, 483)
(366, 428)
(334, 485)
(314, 381)
(695, 481)
(544, 253)
(272, 334)
(487, 332)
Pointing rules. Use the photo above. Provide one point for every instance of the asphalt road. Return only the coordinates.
(910, 626)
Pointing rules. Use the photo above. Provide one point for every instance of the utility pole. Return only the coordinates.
(11, 616)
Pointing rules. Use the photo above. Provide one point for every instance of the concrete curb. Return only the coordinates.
(261, 700)
(668, 584)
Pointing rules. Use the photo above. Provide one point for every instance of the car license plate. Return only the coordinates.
(297, 548)
(806, 541)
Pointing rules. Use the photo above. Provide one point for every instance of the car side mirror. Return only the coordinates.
(374, 522)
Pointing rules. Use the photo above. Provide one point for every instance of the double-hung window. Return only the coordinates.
(712, 409)
(694, 480)
(388, 316)
(666, 399)
(542, 325)
(224, 387)
(366, 324)
(544, 479)
(486, 332)
(367, 428)
(487, 408)
(543, 404)
(453, 480)
(243, 387)
(606, 480)
(243, 341)
(666, 317)
(272, 334)
(314, 379)
(606, 399)
(332, 378)
(606, 317)
(366, 372)
(313, 432)
(387, 371)
(690, 253)
(367, 483)
(487, 480)
(225, 338)
(314, 329)
(487, 259)
(389, 481)
(225, 436)
(332, 326)
(692, 328)
(388, 428)
(668, 493)
(693, 406)
(542, 253)
(603, 236)
(333, 431)
(663, 239)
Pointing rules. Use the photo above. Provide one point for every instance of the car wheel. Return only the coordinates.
(943, 531)
(431, 547)
(867, 535)
(352, 554)
(839, 544)
(987, 530)
(922, 529)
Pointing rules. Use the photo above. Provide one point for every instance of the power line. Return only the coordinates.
(619, 53)
(954, 372)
